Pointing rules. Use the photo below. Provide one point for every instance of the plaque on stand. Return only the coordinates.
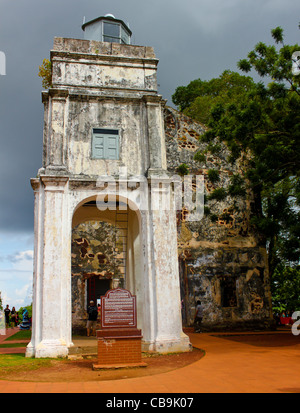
(119, 339)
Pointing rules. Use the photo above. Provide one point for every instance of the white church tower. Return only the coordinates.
(104, 141)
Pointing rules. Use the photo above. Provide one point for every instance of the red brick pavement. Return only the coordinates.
(246, 363)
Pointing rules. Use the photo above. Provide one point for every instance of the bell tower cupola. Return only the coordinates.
(107, 29)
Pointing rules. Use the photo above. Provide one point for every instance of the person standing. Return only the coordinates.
(198, 317)
(13, 317)
(99, 313)
(7, 313)
(92, 319)
(25, 325)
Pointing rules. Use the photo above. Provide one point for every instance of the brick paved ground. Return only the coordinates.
(245, 363)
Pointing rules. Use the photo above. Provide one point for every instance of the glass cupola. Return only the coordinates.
(107, 29)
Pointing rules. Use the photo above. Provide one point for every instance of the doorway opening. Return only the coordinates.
(96, 288)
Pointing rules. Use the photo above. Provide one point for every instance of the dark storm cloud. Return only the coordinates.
(192, 39)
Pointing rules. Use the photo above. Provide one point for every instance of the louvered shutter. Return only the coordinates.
(105, 144)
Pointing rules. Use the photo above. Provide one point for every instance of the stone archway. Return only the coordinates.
(151, 266)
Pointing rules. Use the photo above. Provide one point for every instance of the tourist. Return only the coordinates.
(198, 317)
(7, 313)
(92, 319)
(13, 317)
(99, 312)
(25, 325)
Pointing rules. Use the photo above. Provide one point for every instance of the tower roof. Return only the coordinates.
(106, 17)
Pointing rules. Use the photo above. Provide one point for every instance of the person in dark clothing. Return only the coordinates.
(7, 313)
(13, 317)
(198, 317)
(92, 319)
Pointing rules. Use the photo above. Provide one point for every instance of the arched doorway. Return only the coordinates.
(105, 254)
(151, 266)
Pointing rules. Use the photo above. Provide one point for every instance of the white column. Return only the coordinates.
(51, 333)
(163, 279)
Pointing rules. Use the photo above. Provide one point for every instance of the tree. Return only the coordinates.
(266, 123)
(286, 289)
(28, 308)
(45, 72)
(262, 120)
(197, 98)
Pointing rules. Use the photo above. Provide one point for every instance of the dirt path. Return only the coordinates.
(82, 370)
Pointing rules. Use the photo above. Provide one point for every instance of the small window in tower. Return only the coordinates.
(125, 38)
(105, 144)
(228, 292)
(111, 32)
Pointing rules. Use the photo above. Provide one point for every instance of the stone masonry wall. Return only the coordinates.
(221, 260)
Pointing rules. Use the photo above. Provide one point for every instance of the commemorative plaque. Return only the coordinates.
(118, 309)
(119, 339)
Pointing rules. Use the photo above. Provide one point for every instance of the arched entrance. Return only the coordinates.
(150, 265)
(105, 254)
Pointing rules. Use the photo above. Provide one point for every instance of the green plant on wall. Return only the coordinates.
(237, 186)
(218, 194)
(200, 157)
(45, 72)
(213, 175)
(183, 169)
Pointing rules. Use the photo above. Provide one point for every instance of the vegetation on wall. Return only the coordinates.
(183, 169)
(45, 72)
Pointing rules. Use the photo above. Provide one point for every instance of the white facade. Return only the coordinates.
(107, 86)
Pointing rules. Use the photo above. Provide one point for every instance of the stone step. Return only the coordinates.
(83, 350)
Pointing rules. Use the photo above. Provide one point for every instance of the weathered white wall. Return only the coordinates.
(154, 276)
(100, 85)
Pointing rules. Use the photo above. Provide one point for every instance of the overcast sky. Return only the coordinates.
(192, 39)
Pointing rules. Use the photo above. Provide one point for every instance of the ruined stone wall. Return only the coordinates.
(221, 259)
(95, 247)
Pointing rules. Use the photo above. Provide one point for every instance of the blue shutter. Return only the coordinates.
(112, 147)
(98, 146)
(105, 144)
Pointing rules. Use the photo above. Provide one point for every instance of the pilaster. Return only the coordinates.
(51, 335)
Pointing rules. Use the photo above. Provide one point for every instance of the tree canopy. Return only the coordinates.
(197, 98)
(261, 119)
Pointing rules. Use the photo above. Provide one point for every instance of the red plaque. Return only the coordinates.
(118, 309)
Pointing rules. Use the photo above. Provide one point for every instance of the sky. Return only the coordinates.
(192, 39)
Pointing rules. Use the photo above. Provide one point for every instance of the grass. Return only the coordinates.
(18, 362)
(14, 363)
(20, 335)
(13, 345)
